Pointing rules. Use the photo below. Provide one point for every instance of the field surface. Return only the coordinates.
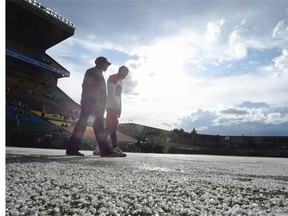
(47, 182)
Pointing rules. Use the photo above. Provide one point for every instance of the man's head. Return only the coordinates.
(122, 72)
(102, 62)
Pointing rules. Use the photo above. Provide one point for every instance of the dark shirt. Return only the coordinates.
(94, 89)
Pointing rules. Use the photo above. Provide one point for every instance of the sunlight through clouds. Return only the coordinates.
(187, 63)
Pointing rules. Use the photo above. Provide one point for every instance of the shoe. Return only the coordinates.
(74, 153)
(119, 151)
(96, 152)
(112, 154)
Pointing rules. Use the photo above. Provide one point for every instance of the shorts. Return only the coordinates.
(111, 117)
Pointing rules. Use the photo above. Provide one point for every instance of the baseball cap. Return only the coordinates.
(102, 61)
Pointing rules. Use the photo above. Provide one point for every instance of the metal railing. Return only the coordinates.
(50, 12)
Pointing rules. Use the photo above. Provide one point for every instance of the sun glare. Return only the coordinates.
(162, 71)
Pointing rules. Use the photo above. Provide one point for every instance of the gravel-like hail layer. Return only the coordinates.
(150, 186)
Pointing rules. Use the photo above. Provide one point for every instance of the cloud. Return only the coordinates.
(249, 105)
(233, 111)
(201, 120)
(281, 63)
(214, 30)
(129, 86)
(280, 31)
(254, 118)
(236, 48)
(276, 118)
(203, 63)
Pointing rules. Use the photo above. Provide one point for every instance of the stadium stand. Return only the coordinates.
(36, 109)
(38, 112)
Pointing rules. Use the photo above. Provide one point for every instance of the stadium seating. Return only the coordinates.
(32, 124)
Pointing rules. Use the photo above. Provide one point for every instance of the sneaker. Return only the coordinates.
(74, 153)
(96, 152)
(112, 154)
(119, 151)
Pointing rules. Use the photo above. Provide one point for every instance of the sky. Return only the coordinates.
(220, 67)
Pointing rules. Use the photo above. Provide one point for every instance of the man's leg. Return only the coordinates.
(77, 134)
(111, 127)
(113, 136)
(98, 127)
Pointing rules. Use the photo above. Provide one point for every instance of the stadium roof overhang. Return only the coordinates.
(27, 22)
(13, 65)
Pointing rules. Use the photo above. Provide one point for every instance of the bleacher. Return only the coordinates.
(35, 94)
(32, 77)
(46, 114)
(27, 122)
(36, 109)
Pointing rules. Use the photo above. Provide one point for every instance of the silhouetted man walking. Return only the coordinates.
(93, 102)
